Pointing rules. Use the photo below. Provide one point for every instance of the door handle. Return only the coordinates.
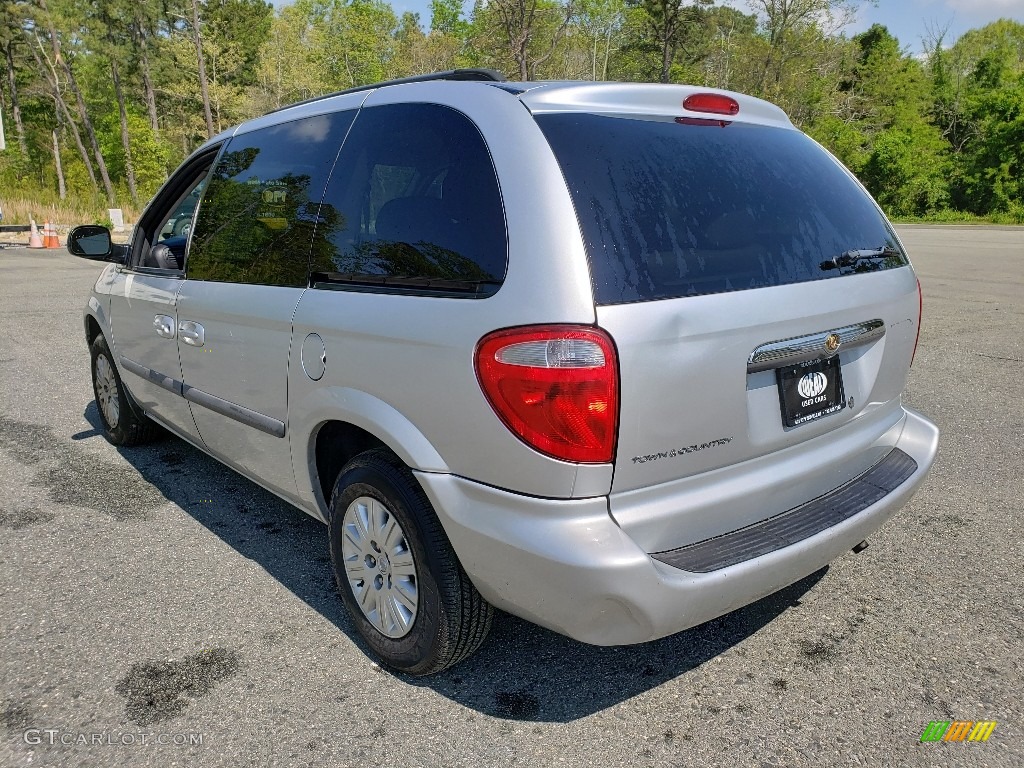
(191, 333)
(164, 326)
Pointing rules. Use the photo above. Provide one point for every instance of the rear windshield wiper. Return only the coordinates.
(861, 259)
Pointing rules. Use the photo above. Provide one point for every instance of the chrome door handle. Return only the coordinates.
(191, 333)
(164, 326)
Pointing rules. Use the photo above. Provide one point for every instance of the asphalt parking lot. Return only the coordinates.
(157, 609)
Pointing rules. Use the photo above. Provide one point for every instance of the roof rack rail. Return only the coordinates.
(484, 75)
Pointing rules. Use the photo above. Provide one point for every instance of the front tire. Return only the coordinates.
(397, 572)
(122, 425)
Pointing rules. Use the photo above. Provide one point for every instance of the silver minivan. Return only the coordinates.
(615, 358)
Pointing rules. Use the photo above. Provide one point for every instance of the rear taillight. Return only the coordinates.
(556, 387)
(920, 312)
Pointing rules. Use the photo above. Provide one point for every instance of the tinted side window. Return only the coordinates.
(413, 204)
(168, 219)
(670, 209)
(257, 216)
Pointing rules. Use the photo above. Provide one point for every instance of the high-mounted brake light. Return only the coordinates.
(920, 313)
(714, 103)
(556, 387)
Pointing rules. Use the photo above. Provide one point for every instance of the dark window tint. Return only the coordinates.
(670, 209)
(412, 205)
(256, 219)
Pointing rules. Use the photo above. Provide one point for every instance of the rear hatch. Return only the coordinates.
(727, 260)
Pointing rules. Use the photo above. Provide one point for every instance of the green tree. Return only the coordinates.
(354, 42)
(907, 169)
(597, 25)
(993, 160)
(731, 35)
(977, 104)
(677, 28)
(530, 31)
(446, 18)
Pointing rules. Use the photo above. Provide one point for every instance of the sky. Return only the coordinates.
(909, 20)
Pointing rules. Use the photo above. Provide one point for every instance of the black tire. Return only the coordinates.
(451, 619)
(123, 422)
(182, 226)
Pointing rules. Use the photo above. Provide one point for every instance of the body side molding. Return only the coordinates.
(239, 413)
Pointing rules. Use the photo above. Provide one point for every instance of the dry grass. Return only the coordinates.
(64, 213)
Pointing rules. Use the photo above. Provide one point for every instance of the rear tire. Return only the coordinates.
(122, 423)
(396, 571)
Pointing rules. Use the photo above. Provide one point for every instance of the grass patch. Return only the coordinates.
(64, 213)
(1015, 217)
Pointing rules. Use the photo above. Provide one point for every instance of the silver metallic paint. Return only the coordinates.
(683, 368)
(564, 564)
(414, 353)
(244, 361)
(550, 550)
(134, 299)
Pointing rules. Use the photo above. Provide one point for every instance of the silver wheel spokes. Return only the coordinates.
(379, 566)
(106, 391)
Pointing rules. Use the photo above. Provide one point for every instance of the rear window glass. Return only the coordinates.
(669, 210)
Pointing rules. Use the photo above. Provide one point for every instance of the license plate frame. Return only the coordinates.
(807, 405)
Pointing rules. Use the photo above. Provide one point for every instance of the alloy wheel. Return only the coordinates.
(379, 567)
(106, 391)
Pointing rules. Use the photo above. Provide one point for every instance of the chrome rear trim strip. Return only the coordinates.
(779, 354)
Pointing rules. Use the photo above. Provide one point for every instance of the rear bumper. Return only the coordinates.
(566, 565)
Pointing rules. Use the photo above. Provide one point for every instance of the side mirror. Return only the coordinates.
(93, 242)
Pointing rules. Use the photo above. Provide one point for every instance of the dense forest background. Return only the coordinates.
(101, 99)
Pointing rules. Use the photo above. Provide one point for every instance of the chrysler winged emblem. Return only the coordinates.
(832, 343)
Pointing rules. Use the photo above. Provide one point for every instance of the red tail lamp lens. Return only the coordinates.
(555, 387)
(715, 103)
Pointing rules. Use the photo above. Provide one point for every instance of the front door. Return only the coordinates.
(142, 311)
(143, 303)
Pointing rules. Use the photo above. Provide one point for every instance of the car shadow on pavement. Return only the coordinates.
(522, 672)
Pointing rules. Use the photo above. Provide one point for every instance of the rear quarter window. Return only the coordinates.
(669, 209)
(412, 205)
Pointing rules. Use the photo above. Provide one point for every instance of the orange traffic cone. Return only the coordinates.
(50, 239)
(34, 240)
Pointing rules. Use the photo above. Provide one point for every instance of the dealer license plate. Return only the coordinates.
(809, 391)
